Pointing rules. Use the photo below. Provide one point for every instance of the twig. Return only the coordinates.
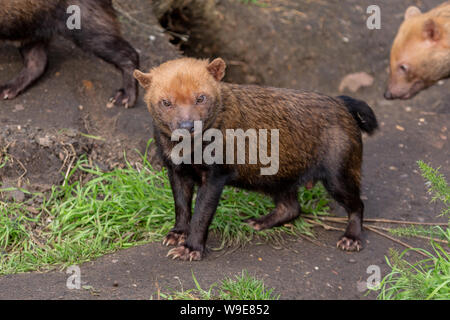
(368, 227)
(417, 235)
(392, 238)
(336, 219)
(407, 222)
(323, 225)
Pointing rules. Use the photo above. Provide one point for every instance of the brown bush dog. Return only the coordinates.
(33, 23)
(420, 55)
(319, 140)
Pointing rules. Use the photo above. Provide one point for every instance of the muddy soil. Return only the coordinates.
(287, 43)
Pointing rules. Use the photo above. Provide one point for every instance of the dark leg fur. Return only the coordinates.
(35, 61)
(182, 189)
(115, 50)
(99, 34)
(286, 209)
(208, 197)
(345, 190)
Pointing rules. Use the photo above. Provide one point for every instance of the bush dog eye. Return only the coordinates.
(201, 99)
(166, 103)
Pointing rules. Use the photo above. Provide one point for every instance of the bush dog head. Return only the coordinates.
(185, 90)
(420, 54)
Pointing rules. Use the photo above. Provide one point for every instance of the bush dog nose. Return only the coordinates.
(388, 95)
(188, 125)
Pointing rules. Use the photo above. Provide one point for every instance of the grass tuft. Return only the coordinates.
(82, 220)
(241, 287)
(428, 278)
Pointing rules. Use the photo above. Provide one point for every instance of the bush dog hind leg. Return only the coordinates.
(286, 209)
(35, 61)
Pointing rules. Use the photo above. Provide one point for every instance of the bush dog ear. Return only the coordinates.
(431, 30)
(412, 12)
(217, 68)
(144, 79)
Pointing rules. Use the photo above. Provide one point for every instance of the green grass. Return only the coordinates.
(424, 280)
(241, 287)
(82, 220)
(428, 278)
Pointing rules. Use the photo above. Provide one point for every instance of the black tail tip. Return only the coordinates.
(362, 113)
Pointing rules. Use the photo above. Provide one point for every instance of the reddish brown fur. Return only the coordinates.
(420, 54)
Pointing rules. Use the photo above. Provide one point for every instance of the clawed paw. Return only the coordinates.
(121, 98)
(174, 239)
(7, 92)
(348, 244)
(185, 254)
(255, 224)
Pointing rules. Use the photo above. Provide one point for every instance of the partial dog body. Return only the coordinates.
(33, 23)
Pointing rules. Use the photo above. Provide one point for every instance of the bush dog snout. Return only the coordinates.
(319, 139)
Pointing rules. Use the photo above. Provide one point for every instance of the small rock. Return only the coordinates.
(355, 81)
(44, 141)
(18, 107)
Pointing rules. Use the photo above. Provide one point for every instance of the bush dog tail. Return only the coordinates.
(362, 113)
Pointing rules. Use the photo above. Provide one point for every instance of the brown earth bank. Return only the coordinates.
(303, 44)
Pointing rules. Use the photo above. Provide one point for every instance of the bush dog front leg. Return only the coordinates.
(182, 183)
(208, 196)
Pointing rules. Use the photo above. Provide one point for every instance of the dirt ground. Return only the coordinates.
(297, 44)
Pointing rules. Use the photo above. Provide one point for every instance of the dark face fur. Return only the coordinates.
(182, 91)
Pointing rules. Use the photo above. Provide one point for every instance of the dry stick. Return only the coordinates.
(338, 220)
(407, 222)
(323, 225)
(417, 235)
(344, 220)
(329, 218)
(393, 239)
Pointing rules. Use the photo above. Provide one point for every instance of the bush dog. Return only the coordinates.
(420, 55)
(319, 140)
(33, 23)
